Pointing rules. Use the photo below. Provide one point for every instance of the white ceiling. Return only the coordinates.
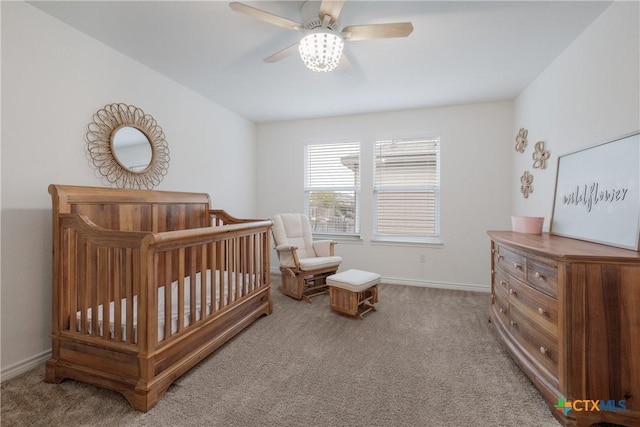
(459, 52)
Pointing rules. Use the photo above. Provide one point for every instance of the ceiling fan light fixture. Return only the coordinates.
(321, 50)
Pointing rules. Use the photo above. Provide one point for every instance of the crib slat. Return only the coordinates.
(72, 278)
(246, 265)
(255, 277)
(92, 292)
(83, 279)
(229, 270)
(221, 273)
(168, 294)
(254, 259)
(117, 288)
(246, 272)
(237, 286)
(251, 266)
(242, 252)
(192, 285)
(129, 272)
(103, 291)
(203, 281)
(214, 277)
(180, 301)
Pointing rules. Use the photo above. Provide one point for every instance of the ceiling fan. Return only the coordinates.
(321, 46)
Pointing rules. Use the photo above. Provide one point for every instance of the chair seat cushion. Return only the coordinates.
(354, 280)
(307, 264)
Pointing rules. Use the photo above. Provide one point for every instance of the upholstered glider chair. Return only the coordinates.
(304, 264)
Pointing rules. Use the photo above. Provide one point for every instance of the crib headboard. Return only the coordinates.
(133, 210)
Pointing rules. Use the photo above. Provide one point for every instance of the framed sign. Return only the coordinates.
(597, 195)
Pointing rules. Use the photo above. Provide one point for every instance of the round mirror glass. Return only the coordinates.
(132, 148)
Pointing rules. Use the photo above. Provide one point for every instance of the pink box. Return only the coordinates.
(527, 224)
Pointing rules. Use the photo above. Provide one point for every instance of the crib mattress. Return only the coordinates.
(173, 315)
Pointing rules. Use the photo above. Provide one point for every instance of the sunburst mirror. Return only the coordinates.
(127, 147)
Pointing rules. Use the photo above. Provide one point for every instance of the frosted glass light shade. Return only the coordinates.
(321, 51)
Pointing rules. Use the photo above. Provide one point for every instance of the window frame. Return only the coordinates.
(355, 188)
(435, 189)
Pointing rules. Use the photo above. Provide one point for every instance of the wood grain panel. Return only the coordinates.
(538, 307)
(596, 292)
(112, 246)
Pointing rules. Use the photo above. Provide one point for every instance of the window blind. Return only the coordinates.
(332, 185)
(407, 188)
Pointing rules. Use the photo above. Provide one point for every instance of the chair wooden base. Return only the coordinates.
(305, 285)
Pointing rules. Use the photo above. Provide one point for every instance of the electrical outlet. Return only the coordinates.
(423, 258)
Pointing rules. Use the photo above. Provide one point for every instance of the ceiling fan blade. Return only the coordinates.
(377, 31)
(331, 8)
(265, 16)
(282, 53)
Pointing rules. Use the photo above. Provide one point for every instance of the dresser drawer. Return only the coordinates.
(543, 275)
(511, 262)
(538, 344)
(501, 280)
(538, 307)
(500, 307)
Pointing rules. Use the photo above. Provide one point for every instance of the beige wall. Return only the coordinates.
(475, 194)
(53, 80)
(590, 94)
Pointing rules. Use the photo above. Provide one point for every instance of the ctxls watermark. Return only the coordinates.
(590, 405)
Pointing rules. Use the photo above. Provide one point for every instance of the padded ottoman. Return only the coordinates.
(353, 292)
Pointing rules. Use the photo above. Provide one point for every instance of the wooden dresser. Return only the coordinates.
(568, 312)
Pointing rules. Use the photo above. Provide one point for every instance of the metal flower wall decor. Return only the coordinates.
(540, 155)
(526, 181)
(521, 140)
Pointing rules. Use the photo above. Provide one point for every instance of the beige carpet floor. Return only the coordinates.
(427, 357)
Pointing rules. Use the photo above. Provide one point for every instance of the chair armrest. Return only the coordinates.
(324, 247)
(288, 256)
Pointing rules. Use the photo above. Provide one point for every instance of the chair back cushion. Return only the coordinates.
(294, 229)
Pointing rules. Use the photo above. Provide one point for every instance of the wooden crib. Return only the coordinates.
(146, 284)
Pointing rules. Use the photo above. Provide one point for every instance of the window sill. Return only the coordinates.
(433, 242)
(338, 238)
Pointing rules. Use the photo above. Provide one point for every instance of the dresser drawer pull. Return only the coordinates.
(543, 350)
(502, 282)
(503, 311)
(539, 275)
(514, 323)
(513, 292)
(517, 266)
(541, 311)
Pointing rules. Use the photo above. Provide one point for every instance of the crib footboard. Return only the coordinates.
(134, 310)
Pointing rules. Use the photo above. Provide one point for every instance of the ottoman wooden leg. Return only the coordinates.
(355, 304)
(367, 299)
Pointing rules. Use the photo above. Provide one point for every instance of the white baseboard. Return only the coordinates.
(439, 285)
(24, 366)
(426, 284)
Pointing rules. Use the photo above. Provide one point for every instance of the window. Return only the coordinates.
(332, 186)
(407, 190)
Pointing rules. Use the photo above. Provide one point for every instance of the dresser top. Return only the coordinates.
(564, 248)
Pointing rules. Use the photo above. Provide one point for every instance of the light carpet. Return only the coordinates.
(427, 357)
